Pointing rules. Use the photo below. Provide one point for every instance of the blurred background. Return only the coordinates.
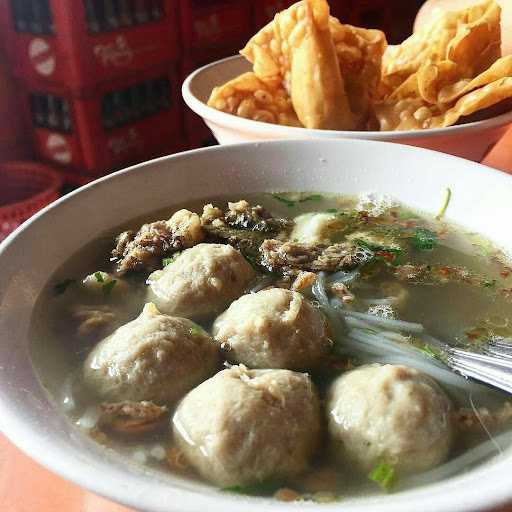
(90, 86)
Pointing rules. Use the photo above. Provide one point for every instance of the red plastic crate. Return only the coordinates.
(71, 47)
(26, 188)
(110, 127)
(215, 28)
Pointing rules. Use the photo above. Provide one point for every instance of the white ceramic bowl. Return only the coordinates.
(28, 257)
(472, 140)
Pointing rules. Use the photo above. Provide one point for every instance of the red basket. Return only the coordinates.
(26, 188)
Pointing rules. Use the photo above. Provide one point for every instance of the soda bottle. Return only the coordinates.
(67, 125)
(39, 109)
(119, 109)
(111, 15)
(141, 11)
(136, 103)
(91, 15)
(129, 107)
(36, 21)
(19, 15)
(47, 17)
(164, 96)
(107, 111)
(156, 9)
(147, 105)
(54, 112)
(125, 13)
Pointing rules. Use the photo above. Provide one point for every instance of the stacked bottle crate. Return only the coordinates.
(211, 29)
(99, 78)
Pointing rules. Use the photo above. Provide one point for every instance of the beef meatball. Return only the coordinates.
(244, 426)
(154, 357)
(274, 328)
(392, 414)
(201, 281)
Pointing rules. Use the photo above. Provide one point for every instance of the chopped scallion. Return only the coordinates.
(384, 475)
(99, 277)
(284, 200)
(446, 202)
(312, 197)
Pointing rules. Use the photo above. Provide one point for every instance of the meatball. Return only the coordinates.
(389, 413)
(274, 328)
(316, 227)
(201, 281)
(244, 426)
(154, 357)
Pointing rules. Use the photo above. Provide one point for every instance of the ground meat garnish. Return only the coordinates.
(132, 418)
(94, 319)
(144, 250)
(303, 280)
(466, 419)
(288, 256)
(342, 292)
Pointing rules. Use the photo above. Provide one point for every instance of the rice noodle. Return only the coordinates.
(457, 465)
(387, 301)
(342, 276)
(319, 291)
(393, 325)
(441, 375)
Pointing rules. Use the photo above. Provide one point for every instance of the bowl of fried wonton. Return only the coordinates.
(306, 75)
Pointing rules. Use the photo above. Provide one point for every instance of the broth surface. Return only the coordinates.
(418, 269)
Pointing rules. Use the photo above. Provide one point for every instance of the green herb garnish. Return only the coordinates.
(489, 283)
(312, 197)
(446, 202)
(332, 210)
(423, 239)
(430, 352)
(195, 330)
(284, 200)
(168, 261)
(263, 488)
(61, 287)
(99, 277)
(384, 475)
(108, 287)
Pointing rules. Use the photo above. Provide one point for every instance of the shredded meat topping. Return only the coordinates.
(144, 250)
(94, 319)
(287, 256)
(132, 417)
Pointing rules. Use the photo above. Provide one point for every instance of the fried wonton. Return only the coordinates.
(469, 38)
(358, 51)
(411, 112)
(250, 97)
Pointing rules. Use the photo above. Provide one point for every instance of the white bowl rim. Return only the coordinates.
(248, 125)
(490, 493)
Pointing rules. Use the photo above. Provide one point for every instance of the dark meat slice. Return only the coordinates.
(247, 242)
(242, 215)
(288, 256)
(144, 250)
(132, 418)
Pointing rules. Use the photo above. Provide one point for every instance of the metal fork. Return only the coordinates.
(493, 366)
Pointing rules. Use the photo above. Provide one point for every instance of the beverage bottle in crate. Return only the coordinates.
(92, 41)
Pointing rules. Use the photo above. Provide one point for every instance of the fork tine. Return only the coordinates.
(497, 352)
(484, 369)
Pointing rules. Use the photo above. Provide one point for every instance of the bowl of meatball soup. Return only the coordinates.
(265, 325)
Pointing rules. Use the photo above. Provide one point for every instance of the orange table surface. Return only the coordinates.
(25, 486)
